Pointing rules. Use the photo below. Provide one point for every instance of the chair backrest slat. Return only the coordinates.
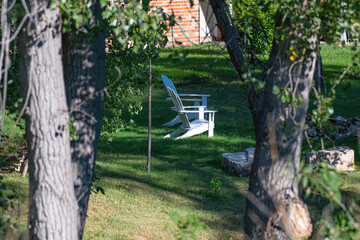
(168, 83)
(179, 107)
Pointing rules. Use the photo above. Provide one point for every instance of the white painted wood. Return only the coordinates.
(197, 99)
(344, 38)
(195, 127)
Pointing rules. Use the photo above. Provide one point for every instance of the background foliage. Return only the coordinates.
(256, 22)
(136, 34)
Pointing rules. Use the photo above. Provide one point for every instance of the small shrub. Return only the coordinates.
(215, 187)
(188, 224)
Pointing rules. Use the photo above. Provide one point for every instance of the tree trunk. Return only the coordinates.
(318, 76)
(149, 122)
(229, 34)
(84, 69)
(4, 59)
(274, 209)
(53, 207)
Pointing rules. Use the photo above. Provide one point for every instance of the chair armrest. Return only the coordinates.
(211, 115)
(192, 111)
(185, 111)
(187, 99)
(193, 95)
(194, 106)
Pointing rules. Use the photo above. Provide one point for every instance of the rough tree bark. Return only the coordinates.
(274, 209)
(53, 207)
(84, 69)
(278, 152)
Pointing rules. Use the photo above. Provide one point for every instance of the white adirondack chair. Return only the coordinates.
(197, 99)
(195, 127)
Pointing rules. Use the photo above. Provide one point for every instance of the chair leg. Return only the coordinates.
(186, 135)
(211, 130)
(175, 133)
(191, 133)
(211, 125)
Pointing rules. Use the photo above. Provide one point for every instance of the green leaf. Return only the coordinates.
(53, 5)
(283, 98)
(305, 182)
(106, 14)
(308, 169)
(276, 90)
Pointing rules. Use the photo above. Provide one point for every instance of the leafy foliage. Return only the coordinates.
(298, 23)
(71, 127)
(215, 187)
(8, 225)
(12, 135)
(4, 205)
(324, 182)
(256, 23)
(124, 93)
(187, 224)
(136, 34)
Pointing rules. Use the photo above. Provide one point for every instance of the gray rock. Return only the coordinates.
(340, 119)
(353, 130)
(338, 135)
(250, 152)
(237, 163)
(340, 157)
(311, 131)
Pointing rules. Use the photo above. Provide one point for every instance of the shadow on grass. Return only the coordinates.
(179, 169)
(230, 207)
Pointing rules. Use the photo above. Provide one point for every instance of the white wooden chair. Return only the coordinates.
(195, 127)
(196, 99)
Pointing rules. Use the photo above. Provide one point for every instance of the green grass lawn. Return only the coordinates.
(137, 205)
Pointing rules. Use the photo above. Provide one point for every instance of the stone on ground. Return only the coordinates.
(340, 157)
(238, 163)
(250, 152)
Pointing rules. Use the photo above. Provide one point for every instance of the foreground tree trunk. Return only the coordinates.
(53, 207)
(84, 69)
(274, 209)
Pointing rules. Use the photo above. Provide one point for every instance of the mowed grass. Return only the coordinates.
(137, 205)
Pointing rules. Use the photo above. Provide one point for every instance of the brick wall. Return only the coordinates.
(189, 19)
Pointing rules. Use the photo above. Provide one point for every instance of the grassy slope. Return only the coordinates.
(136, 205)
